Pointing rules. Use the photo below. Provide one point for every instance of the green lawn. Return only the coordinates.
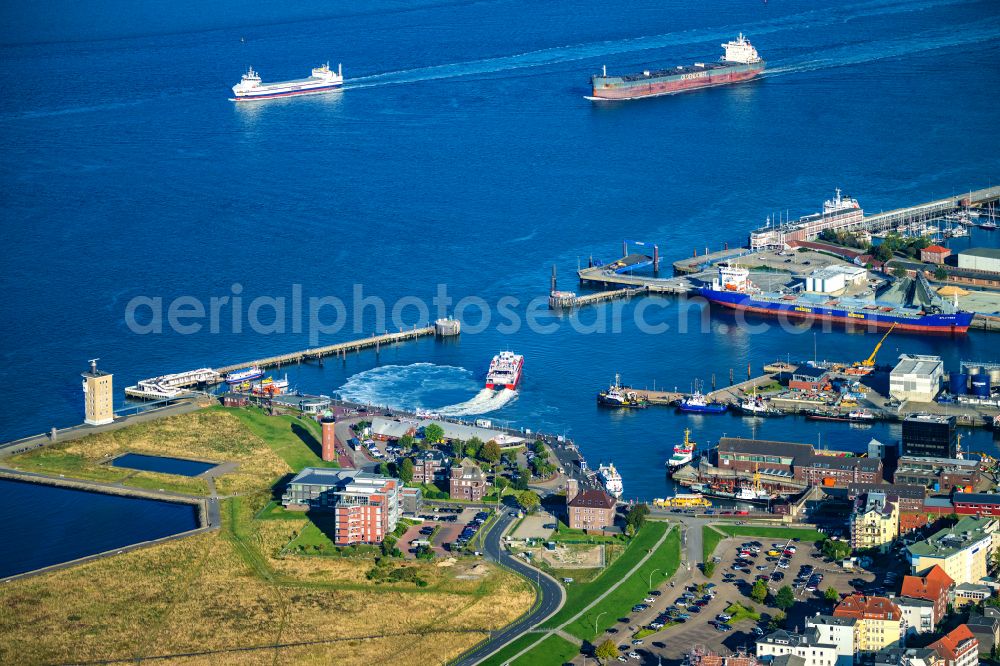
(710, 539)
(804, 534)
(655, 571)
(740, 612)
(169, 482)
(553, 651)
(274, 511)
(297, 441)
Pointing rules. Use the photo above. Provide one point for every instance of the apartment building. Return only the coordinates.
(366, 507)
(879, 621)
(874, 521)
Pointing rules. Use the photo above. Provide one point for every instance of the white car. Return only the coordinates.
(633, 655)
(649, 600)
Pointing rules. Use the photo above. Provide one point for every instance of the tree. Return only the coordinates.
(528, 500)
(831, 594)
(785, 598)
(383, 469)
(836, 550)
(883, 252)
(776, 622)
(759, 591)
(607, 650)
(636, 516)
(940, 274)
(491, 452)
(521, 482)
(708, 568)
(473, 447)
(406, 470)
(406, 442)
(538, 447)
(434, 433)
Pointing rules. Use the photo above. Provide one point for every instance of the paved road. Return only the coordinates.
(552, 596)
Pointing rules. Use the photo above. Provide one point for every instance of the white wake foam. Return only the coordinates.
(423, 386)
(484, 402)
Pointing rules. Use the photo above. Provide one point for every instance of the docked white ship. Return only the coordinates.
(323, 80)
(611, 479)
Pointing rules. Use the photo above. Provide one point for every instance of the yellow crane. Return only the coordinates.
(867, 365)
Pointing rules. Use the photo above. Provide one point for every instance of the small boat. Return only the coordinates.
(244, 375)
(683, 453)
(861, 415)
(619, 396)
(611, 479)
(683, 500)
(696, 403)
(755, 405)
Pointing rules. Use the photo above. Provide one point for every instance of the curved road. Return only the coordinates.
(551, 592)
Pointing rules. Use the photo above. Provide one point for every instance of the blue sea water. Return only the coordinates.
(162, 464)
(48, 525)
(461, 153)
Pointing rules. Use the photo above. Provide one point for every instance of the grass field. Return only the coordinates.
(739, 612)
(710, 539)
(553, 650)
(233, 596)
(772, 532)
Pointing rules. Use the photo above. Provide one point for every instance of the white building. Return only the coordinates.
(918, 615)
(841, 632)
(916, 377)
(980, 259)
(807, 646)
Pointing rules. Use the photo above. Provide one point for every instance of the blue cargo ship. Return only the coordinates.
(733, 289)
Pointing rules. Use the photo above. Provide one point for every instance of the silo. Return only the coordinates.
(981, 385)
(958, 383)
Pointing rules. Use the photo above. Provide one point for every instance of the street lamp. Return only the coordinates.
(598, 620)
(650, 585)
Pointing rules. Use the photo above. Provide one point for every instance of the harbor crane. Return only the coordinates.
(866, 366)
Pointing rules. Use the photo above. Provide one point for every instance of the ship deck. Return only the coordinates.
(679, 69)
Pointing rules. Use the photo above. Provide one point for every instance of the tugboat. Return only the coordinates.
(619, 396)
(611, 479)
(697, 404)
(683, 453)
(755, 405)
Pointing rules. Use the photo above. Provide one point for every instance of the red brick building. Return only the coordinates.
(800, 461)
(959, 647)
(366, 507)
(934, 254)
(429, 466)
(591, 510)
(976, 504)
(934, 586)
(467, 481)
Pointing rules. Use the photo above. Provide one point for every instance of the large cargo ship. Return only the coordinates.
(740, 63)
(733, 289)
(505, 371)
(323, 80)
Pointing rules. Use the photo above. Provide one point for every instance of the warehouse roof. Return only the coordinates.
(989, 252)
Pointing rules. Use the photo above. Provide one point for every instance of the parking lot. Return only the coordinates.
(696, 612)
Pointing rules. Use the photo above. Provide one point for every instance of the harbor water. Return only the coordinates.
(462, 153)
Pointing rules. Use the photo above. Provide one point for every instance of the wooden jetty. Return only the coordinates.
(340, 349)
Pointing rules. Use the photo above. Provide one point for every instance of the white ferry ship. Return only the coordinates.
(323, 80)
(505, 371)
(244, 375)
(611, 479)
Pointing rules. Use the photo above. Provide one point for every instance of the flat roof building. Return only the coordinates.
(366, 507)
(916, 377)
(980, 259)
(930, 435)
(962, 551)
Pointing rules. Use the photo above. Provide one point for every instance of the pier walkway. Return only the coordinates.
(932, 209)
(339, 349)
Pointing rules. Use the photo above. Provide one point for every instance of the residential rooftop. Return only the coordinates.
(945, 543)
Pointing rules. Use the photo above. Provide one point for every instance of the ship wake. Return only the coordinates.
(570, 53)
(487, 400)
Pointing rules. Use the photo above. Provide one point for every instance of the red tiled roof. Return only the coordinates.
(930, 586)
(593, 499)
(955, 643)
(936, 249)
(869, 608)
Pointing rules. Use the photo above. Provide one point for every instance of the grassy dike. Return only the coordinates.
(657, 569)
(231, 596)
